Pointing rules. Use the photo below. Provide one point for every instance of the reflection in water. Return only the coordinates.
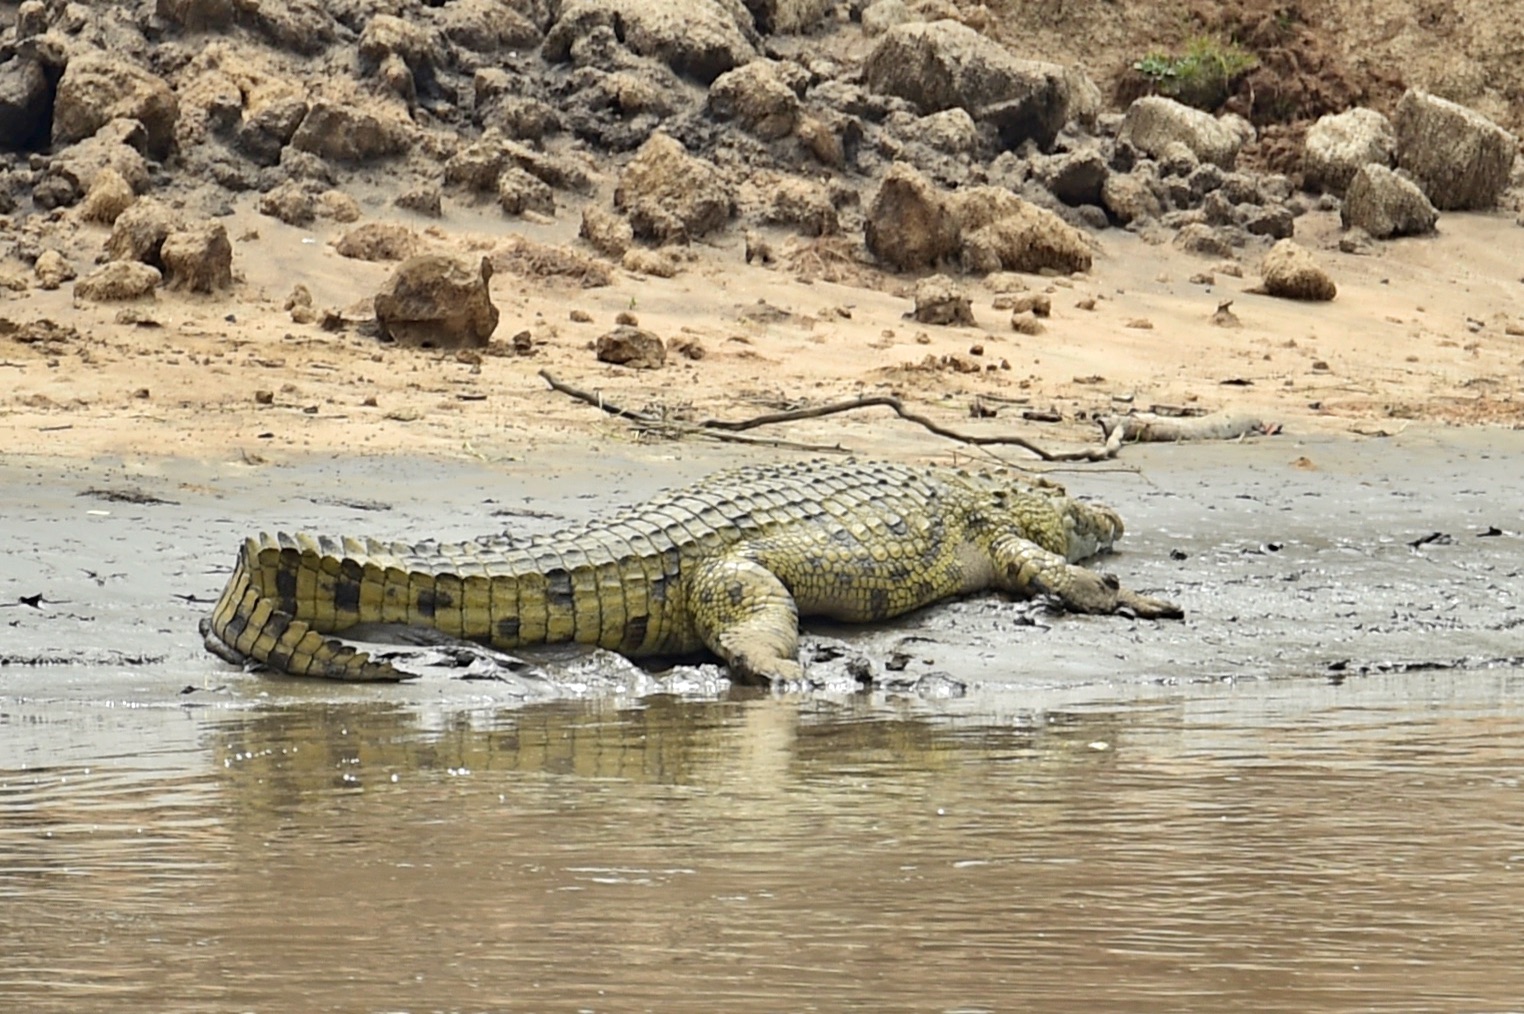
(1279, 848)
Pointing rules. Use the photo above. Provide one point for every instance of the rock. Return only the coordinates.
(606, 232)
(198, 259)
(758, 249)
(23, 105)
(378, 241)
(939, 301)
(1275, 221)
(1002, 232)
(952, 131)
(52, 270)
(198, 15)
(909, 226)
(1076, 177)
(1386, 204)
(337, 206)
(489, 26)
(518, 192)
(1129, 198)
(790, 200)
(109, 196)
(350, 133)
(119, 280)
(437, 301)
(268, 127)
(425, 200)
(98, 87)
(642, 261)
(420, 52)
(701, 39)
(757, 98)
(1340, 143)
(1460, 158)
(788, 17)
(1205, 178)
(882, 15)
(944, 64)
(1153, 122)
(306, 27)
(1204, 241)
(670, 196)
(476, 167)
(1290, 272)
(632, 347)
(1038, 304)
(290, 203)
(139, 232)
(1177, 159)
(116, 146)
(1357, 241)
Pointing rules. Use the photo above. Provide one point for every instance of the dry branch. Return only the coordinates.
(720, 428)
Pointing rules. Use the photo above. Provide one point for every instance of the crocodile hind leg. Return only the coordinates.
(744, 614)
(1024, 567)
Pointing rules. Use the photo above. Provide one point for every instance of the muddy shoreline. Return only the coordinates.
(1293, 556)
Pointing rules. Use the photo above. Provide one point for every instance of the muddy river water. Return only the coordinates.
(1305, 797)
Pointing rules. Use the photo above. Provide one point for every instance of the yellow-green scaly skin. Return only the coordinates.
(728, 564)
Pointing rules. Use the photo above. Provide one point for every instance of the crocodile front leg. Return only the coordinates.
(1027, 569)
(744, 614)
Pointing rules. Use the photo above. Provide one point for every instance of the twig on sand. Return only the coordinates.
(727, 429)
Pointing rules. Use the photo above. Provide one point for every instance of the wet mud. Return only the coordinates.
(1292, 558)
(1297, 799)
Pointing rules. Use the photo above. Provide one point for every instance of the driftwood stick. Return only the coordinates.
(654, 424)
(710, 426)
(596, 400)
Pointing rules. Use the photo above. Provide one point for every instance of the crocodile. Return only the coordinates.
(727, 565)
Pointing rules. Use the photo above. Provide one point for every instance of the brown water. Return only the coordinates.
(1283, 846)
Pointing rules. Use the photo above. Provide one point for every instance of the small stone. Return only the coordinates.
(1024, 323)
(633, 347)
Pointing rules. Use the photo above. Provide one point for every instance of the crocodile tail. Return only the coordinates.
(260, 616)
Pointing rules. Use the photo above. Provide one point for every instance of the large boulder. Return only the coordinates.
(98, 87)
(23, 105)
(198, 259)
(758, 98)
(139, 232)
(1130, 197)
(700, 39)
(437, 301)
(909, 226)
(945, 64)
(1154, 122)
(116, 147)
(1460, 158)
(785, 17)
(1290, 272)
(670, 196)
(488, 26)
(349, 133)
(118, 280)
(633, 347)
(404, 54)
(1339, 144)
(268, 126)
(940, 300)
(1386, 204)
(1001, 232)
